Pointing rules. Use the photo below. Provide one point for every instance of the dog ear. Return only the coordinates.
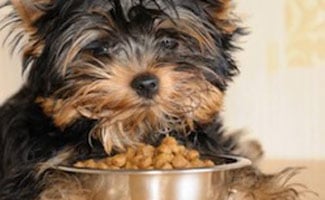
(26, 14)
(222, 14)
(29, 11)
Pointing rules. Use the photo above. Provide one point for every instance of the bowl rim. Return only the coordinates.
(238, 162)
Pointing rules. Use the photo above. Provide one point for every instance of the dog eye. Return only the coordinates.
(169, 43)
(99, 48)
(100, 51)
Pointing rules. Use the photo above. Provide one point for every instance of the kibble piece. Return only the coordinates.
(192, 154)
(145, 163)
(130, 152)
(208, 163)
(167, 166)
(164, 148)
(179, 162)
(107, 161)
(113, 167)
(79, 164)
(162, 159)
(169, 141)
(197, 163)
(146, 150)
(178, 149)
(102, 165)
(91, 164)
(119, 160)
(131, 165)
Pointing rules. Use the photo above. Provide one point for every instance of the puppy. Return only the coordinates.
(103, 75)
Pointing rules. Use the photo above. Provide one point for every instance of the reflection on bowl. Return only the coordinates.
(177, 184)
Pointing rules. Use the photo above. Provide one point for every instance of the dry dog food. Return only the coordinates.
(168, 155)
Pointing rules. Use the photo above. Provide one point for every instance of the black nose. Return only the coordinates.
(146, 85)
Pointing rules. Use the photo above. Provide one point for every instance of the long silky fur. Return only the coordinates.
(77, 103)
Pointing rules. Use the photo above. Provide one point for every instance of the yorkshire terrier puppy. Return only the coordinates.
(103, 75)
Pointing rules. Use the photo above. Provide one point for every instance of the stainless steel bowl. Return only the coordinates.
(177, 184)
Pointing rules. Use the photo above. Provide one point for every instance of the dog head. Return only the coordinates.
(136, 67)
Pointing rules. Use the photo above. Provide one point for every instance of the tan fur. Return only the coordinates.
(62, 116)
(33, 49)
(224, 17)
(28, 10)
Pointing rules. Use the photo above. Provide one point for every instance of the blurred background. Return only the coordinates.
(279, 98)
(280, 95)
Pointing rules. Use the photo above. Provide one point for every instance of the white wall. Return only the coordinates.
(279, 95)
(10, 72)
